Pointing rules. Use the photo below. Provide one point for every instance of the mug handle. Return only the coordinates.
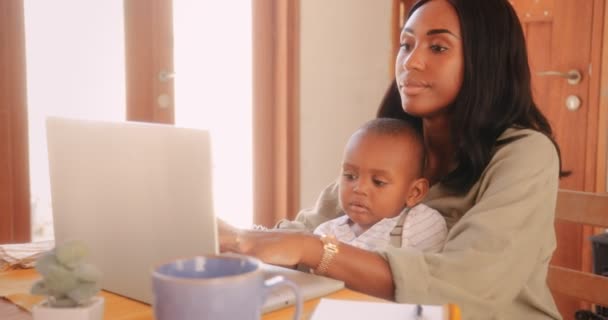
(280, 280)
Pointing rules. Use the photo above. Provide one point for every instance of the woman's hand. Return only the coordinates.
(361, 270)
(283, 248)
(275, 247)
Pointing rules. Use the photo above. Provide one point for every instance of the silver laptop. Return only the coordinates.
(138, 195)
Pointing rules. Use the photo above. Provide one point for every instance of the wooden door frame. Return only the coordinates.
(597, 126)
(601, 157)
(14, 160)
(595, 165)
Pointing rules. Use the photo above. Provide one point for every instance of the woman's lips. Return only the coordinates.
(412, 88)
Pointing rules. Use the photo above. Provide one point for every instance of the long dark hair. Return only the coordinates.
(496, 91)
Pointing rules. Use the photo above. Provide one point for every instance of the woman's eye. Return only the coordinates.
(438, 49)
(406, 46)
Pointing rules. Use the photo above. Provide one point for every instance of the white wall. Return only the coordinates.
(344, 67)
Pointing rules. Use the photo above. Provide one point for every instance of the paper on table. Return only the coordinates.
(329, 309)
(22, 255)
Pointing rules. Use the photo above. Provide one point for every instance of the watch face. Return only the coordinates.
(329, 238)
(330, 243)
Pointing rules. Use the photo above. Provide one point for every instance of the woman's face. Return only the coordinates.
(429, 66)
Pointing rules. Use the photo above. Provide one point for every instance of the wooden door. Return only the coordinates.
(149, 56)
(148, 36)
(566, 36)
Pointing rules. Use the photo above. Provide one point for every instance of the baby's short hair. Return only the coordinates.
(398, 127)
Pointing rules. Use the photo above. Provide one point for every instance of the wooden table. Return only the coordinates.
(15, 285)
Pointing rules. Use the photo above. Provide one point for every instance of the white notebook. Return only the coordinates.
(329, 309)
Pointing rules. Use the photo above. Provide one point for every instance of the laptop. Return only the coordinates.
(138, 195)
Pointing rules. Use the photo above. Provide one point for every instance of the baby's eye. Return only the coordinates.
(438, 49)
(379, 183)
(348, 176)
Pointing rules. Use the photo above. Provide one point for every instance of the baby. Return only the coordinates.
(381, 188)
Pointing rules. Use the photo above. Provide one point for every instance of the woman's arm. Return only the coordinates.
(361, 270)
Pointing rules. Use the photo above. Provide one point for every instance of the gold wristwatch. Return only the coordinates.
(330, 249)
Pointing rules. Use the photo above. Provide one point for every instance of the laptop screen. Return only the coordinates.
(137, 194)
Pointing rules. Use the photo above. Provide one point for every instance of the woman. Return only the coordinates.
(462, 74)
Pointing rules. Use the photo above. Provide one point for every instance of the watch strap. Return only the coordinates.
(330, 249)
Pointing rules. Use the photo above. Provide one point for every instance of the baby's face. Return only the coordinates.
(377, 174)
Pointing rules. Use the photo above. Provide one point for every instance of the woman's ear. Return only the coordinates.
(418, 190)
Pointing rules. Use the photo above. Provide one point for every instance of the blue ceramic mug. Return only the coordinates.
(219, 287)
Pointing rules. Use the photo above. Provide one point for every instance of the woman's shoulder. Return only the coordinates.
(526, 145)
(522, 154)
(523, 158)
(527, 135)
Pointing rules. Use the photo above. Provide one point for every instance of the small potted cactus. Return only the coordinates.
(70, 285)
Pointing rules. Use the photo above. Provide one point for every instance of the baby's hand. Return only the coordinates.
(228, 236)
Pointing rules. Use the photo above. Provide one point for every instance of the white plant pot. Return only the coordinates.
(91, 311)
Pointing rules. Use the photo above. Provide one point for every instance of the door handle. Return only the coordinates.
(573, 76)
(573, 103)
(165, 76)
